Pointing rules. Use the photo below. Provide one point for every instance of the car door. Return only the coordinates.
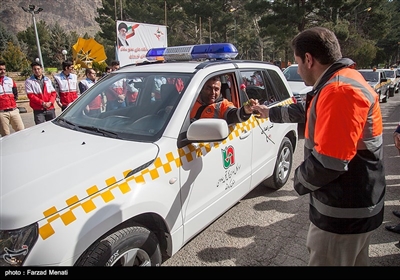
(266, 135)
(215, 175)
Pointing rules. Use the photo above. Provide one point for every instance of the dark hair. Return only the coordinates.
(2, 62)
(108, 68)
(66, 64)
(33, 64)
(114, 62)
(88, 70)
(215, 79)
(122, 25)
(320, 42)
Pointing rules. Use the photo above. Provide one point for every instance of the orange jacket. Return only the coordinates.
(222, 109)
(343, 169)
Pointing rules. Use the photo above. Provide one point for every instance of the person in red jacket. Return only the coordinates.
(211, 104)
(343, 171)
(66, 85)
(41, 94)
(9, 113)
(95, 106)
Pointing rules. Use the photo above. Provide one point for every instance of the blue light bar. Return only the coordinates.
(214, 51)
(194, 52)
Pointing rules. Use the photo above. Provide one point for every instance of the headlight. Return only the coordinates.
(15, 245)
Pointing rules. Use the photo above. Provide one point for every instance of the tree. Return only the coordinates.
(14, 57)
(28, 37)
(60, 41)
(259, 29)
(6, 37)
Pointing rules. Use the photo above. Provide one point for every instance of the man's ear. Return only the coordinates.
(308, 60)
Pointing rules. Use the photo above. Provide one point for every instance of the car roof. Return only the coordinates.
(193, 66)
(370, 70)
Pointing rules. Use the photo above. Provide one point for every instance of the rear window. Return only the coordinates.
(291, 74)
(370, 76)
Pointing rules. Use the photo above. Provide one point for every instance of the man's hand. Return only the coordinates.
(263, 110)
(47, 105)
(249, 105)
(121, 97)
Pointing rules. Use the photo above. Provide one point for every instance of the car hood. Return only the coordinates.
(296, 87)
(45, 165)
(372, 84)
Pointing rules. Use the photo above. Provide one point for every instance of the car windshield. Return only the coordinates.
(291, 74)
(141, 115)
(370, 76)
(390, 73)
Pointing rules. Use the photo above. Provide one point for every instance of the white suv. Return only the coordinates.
(296, 83)
(132, 186)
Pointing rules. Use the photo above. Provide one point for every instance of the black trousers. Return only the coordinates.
(41, 116)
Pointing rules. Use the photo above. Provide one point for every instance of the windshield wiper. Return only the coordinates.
(67, 122)
(99, 130)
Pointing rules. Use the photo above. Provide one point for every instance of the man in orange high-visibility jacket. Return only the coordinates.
(343, 168)
(211, 104)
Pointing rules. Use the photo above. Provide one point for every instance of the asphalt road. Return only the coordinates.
(269, 228)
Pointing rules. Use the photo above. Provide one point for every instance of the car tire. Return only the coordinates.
(283, 166)
(129, 246)
(391, 92)
(385, 99)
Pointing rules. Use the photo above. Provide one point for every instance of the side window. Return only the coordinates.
(252, 86)
(281, 92)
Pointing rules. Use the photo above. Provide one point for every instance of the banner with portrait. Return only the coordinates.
(135, 39)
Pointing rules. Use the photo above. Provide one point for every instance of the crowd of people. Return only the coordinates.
(43, 93)
(345, 180)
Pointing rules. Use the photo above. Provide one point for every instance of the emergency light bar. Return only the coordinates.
(193, 52)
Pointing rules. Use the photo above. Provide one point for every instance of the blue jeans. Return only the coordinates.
(115, 104)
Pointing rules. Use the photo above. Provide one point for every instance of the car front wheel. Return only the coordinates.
(129, 246)
(283, 166)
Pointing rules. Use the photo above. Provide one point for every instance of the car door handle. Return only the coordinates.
(244, 134)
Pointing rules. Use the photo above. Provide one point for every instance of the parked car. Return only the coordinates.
(131, 186)
(377, 79)
(296, 83)
(394, 77)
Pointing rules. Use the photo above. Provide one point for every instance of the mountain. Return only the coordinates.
(74, 15)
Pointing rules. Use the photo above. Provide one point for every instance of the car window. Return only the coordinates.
(252, 86)
(370, 76)
(291, 74)
(390, 74)
(154, 99)
(268, 87)
(280, 92)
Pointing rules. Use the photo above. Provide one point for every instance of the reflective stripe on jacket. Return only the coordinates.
(343, 160)
(222, 109)
(7, 98)
(66, 88)
(85, 85)
(36, 95)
